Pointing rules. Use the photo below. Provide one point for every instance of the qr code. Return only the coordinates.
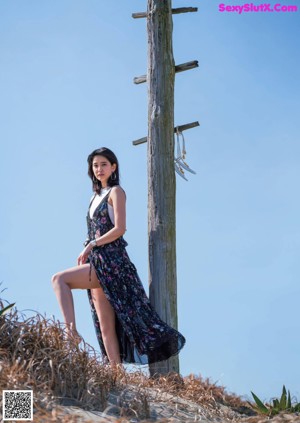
(17, 405)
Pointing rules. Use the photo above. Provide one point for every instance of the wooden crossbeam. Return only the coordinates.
(178, 68)
(186, 66)
(180, 128)
(176, 11)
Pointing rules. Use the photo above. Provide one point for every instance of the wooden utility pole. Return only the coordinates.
(161, 176)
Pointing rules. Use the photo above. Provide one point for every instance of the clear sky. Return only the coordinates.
(66, 88)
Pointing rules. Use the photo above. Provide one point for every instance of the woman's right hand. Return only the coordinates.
(83, 256)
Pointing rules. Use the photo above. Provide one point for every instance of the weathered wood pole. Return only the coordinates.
(161, 175)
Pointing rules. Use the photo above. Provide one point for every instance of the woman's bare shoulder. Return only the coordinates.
(116, 192)
(118, 189)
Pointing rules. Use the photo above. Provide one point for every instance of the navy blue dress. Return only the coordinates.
(143, 337)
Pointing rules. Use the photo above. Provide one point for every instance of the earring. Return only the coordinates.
(115, 176)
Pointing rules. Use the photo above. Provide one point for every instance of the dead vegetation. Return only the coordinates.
(34, 355)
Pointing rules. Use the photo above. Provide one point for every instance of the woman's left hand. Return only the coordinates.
(82, 258)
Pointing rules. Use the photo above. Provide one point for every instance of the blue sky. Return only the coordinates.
(66, 72)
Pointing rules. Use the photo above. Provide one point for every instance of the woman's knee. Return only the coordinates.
(57, 279)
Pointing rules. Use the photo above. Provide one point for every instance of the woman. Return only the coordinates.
(128, 329)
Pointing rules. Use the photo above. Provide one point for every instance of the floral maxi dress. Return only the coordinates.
(143, 337)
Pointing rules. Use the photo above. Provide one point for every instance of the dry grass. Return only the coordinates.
(34, 355)
(214, 401)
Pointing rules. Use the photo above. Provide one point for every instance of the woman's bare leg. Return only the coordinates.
(106, 316)
(63, 282)
(78, 278)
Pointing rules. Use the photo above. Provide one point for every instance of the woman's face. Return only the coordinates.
(102, 169)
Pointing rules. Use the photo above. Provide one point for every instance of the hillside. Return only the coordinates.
(72, 384)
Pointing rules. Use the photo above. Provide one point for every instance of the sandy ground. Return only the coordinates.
(129, 405)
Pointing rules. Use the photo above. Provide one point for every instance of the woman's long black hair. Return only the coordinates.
(111, 157)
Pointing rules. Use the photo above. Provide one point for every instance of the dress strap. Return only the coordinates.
(92, 200)
(105, 197)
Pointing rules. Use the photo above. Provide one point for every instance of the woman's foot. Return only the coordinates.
(117, 371)
(73, 338)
